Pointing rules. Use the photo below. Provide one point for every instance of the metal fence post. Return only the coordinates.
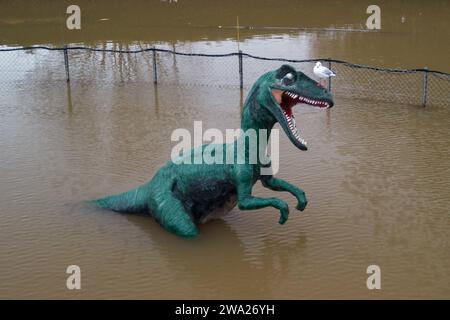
(329, 78)
(66, 63)
(425, 87)
(241, 75)
(155, 72)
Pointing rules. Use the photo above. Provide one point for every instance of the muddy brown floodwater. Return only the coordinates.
(377, 174)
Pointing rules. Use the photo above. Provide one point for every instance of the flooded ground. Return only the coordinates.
(377, 173)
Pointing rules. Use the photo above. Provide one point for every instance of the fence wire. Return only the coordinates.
(27, 68)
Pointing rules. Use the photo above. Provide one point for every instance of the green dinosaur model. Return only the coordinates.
(182, 195)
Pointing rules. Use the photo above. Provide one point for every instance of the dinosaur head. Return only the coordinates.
(280, 90)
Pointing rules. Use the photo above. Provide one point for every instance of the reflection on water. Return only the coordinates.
(376, 174)
(411, 34)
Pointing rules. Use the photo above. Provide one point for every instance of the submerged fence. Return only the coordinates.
(232, 70)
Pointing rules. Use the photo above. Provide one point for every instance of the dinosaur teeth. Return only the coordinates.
(293, 127)
(303, 141)
(291, 120)
(300, 99)
(292, 95)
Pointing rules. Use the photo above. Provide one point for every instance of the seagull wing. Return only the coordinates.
(327, 72)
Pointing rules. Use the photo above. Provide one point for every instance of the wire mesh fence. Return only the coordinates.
(36, 66)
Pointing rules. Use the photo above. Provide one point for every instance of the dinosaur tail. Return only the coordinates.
(133, 201)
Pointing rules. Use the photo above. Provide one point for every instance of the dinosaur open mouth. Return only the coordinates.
(288, 101)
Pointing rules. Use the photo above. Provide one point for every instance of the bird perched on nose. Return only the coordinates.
(322, 72)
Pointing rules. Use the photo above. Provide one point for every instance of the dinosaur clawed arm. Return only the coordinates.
(281, 185)
(248, 202)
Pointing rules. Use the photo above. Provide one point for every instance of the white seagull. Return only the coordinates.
(322, 72)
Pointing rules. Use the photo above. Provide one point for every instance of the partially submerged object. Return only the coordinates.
(181, 195)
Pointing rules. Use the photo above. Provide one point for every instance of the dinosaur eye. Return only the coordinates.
(288, 78)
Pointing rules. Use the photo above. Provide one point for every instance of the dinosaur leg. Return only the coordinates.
(281, 185)
(248, 202)
(170, 213)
